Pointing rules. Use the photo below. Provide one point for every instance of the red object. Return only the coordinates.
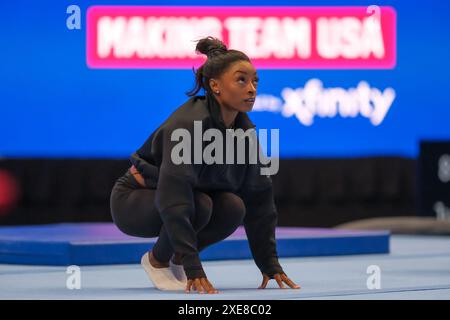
(9, 192)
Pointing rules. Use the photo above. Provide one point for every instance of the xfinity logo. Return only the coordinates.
(313, 100)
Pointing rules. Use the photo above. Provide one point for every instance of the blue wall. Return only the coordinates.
(53, 105)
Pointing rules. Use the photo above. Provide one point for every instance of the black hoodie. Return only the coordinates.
(174, 184)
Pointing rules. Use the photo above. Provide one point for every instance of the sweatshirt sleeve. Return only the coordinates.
(175, 203)
(261, 220)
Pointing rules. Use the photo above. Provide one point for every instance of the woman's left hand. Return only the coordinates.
(280, 278)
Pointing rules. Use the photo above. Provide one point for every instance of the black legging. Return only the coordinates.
(216, 216)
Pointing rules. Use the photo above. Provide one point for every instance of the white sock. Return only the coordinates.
(178, 272)
(162, 278)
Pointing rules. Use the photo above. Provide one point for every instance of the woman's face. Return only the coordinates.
(236, 85)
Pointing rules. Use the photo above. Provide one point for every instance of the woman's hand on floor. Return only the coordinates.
(280, 278)
(202, 285)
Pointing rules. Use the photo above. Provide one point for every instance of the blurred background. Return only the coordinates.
(362, 101)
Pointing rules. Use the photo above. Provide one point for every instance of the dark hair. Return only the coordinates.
(219, 59)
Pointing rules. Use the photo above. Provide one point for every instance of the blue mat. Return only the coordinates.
(102, 243)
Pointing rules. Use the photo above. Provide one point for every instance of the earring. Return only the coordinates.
(217, 91)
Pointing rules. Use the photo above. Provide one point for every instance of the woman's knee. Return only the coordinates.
(230, 206)
(228, 214)
(203, 210)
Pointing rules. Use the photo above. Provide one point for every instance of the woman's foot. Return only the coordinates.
(155, 263)
(177, 268)
(160, 274)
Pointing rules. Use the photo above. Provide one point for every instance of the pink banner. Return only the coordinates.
(273, 37)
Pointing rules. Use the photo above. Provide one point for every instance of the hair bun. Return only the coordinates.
(211, 46)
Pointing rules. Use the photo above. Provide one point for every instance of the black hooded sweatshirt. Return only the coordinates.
(174, 184)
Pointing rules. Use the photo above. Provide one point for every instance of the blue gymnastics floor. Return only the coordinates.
(417, 267)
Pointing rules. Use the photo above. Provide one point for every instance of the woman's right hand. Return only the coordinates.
(137, 176)
(202, 285)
